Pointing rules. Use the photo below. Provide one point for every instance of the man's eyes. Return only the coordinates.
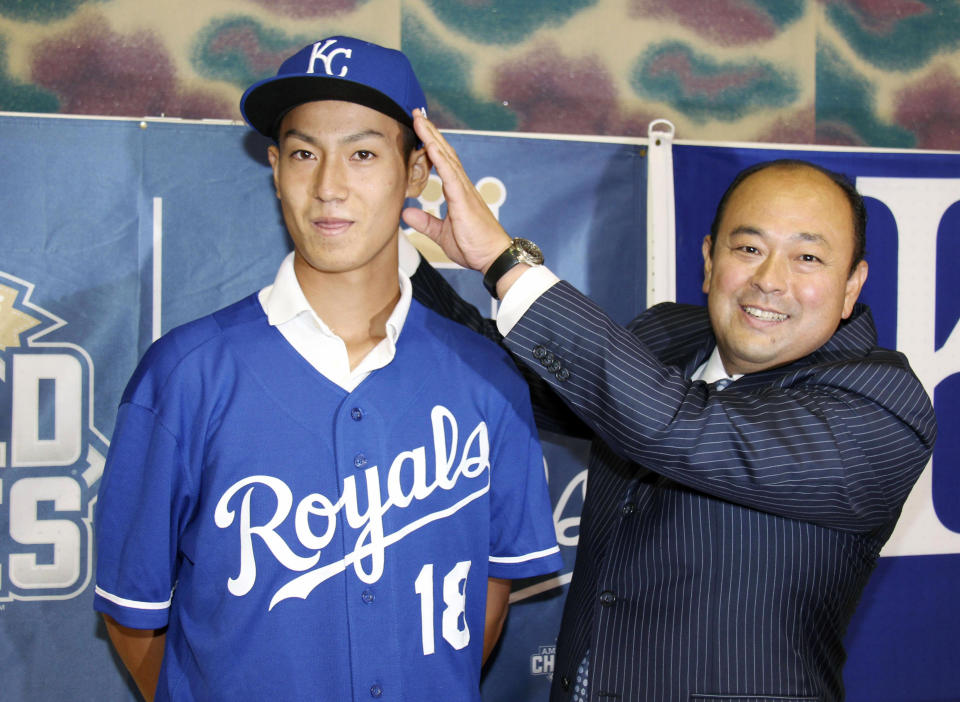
(305, 155)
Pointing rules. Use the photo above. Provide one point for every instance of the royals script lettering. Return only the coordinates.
(451, 465)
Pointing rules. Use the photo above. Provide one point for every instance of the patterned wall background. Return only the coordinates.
(853, 72)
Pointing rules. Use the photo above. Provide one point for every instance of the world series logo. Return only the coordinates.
(542, 662)
(51, 456)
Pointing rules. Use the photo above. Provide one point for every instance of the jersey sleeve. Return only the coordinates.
(523, 540)
(145, 499)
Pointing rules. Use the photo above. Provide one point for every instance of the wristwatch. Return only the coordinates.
(519, 251)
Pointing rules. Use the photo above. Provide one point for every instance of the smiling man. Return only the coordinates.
(749, 458)
(783, 264)
(323, 491)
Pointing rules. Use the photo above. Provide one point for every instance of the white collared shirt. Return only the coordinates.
(712, 370)
(288, 310)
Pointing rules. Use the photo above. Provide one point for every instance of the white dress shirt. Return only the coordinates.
(288, 310)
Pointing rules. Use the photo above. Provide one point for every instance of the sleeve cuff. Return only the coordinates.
(523, 293)
(132, 613)
(531, 565)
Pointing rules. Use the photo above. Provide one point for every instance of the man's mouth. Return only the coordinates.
(331, 225)
(764, 315)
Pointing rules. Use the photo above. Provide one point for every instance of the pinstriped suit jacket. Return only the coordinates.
(726, 536)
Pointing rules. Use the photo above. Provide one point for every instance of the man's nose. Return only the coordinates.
(329, 180)
(772, 274)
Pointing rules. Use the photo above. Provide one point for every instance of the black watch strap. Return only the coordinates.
(519, 251)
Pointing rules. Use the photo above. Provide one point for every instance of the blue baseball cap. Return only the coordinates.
(336, 68)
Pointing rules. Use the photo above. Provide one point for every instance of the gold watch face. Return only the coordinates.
(527, 251)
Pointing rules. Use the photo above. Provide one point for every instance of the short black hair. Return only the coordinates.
(857, 207)
(410, 141)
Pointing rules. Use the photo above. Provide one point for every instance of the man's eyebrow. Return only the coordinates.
(365, 134)
(808, 237)
(297, 134)
(812, 238)
(348, 139)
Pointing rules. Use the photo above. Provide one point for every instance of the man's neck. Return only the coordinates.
(354, 304)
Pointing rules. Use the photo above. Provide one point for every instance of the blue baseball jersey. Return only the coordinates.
(303, 542)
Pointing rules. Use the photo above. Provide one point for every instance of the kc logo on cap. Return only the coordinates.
(336, 68)
(326, 58)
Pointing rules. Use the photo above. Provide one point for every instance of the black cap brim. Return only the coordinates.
(265, 105)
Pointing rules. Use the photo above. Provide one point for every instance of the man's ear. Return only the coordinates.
(854, 286)
(273, 156)
(707, 263)
(418, 171)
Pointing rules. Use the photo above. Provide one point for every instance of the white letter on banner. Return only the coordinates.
(28, 528)
(27, 449)
(918, 205)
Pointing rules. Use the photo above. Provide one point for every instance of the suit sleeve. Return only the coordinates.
(840, 445)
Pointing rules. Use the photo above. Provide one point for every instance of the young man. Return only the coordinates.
(749, 459)
(323, 490)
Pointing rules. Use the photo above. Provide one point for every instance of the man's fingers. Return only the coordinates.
(443, 156)
(470, 234)
(423, 222)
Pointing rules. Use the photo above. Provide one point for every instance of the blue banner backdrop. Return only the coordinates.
(114, 231)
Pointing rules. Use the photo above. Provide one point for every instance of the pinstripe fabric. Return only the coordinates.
(729, 564)
(726, 537)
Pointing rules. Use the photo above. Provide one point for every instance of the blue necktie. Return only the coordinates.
(583, 680)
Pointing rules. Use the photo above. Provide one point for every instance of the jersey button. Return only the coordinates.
(376, 690)
(607, 598)
(356, 414)
(367, 596)
(359, 460)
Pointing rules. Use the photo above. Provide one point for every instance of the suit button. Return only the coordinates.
(607, 598)
(563, 374)
(547, 359)
(628, 509)
(539, 351)
(565, 683)
(555, 366)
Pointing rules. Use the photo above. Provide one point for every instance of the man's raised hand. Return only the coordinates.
(470, 235)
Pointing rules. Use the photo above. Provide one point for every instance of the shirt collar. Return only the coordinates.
(713, 370)
(407, 255)
(284, 300)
